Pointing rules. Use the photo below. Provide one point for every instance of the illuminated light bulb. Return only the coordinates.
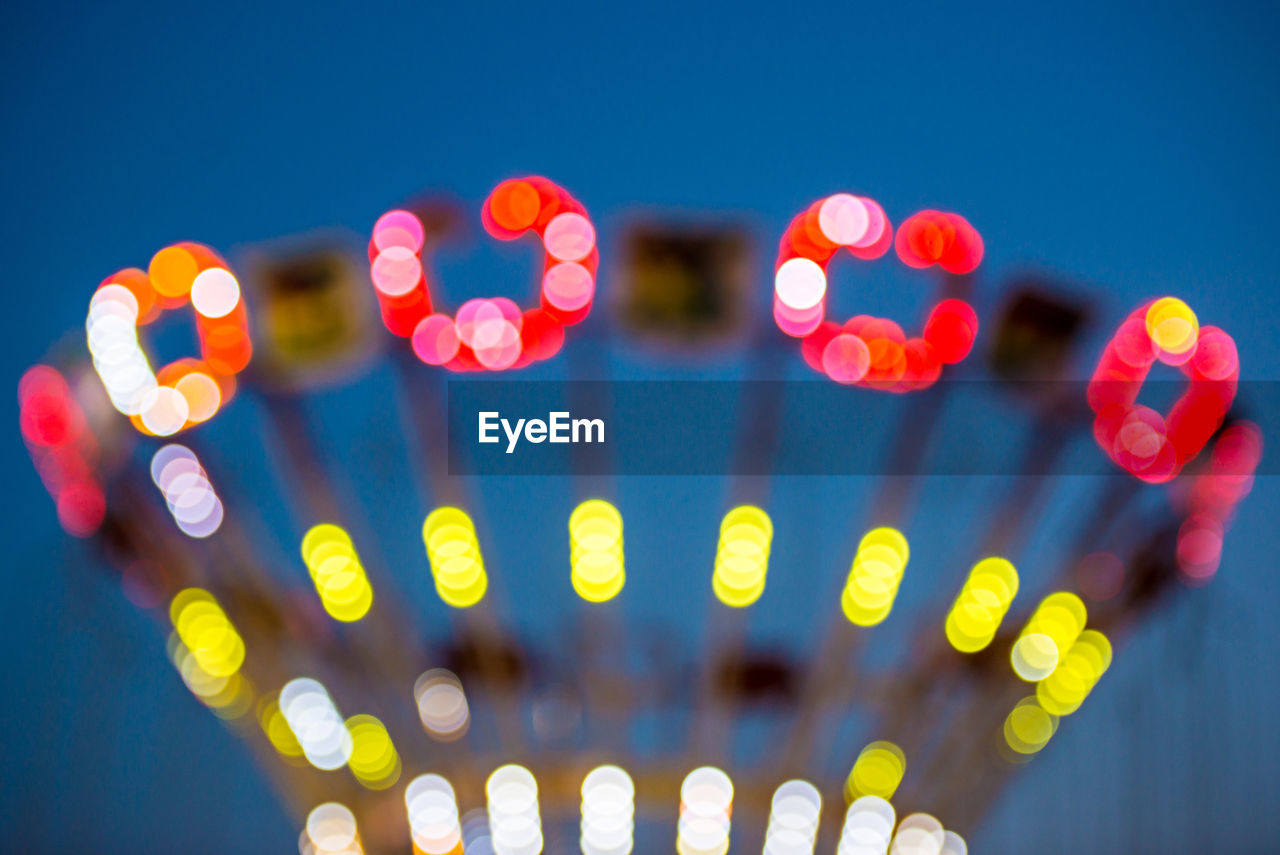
(569, 237)
(742, 556)
(568, 286)
(877, 772)
(1029, 727)
(1054, 626)
(608, 812)
(316, 723)
(918, 834)
(442, 705)
(793, 819)
(981, 606)
(435, 339)
(374, 760)
(846, 358)
(215, 292)
(1172, 326)
(398, 228)
(433, 816)
(844, 219)
(277, 730)
(596, 554)
(172, 271)
(164, 411)
(875, 576)
(454, 554)
(800, 283)
(331, 830)
(1063, 691)
(868, 827)
(515, 827)
(207, 632)
(396, 271)
(706, 805)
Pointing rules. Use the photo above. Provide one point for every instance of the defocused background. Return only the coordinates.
(1124, 153)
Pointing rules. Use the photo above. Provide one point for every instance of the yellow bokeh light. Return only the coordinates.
(1063, 691)
(374, 759)
(877, 772)
(596, 561)
(207, 632)
(335, 568)
(454, 553)
(1028, 727)
(874, 578)
(228, 696)
(742, 556)
(1053, 628)
(981, 606)
(1172, 325)
(277, 730)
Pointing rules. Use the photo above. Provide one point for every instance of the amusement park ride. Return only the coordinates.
(521, 710)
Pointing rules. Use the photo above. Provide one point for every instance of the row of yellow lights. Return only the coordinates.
(336, 570)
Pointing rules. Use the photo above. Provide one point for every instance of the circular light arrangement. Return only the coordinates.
(977, 612)
(1054, 626)
(1149, 445)
(454, 554)
(187, 391)
(336, 570)
(867, 351)
(706, 805)
(877, 772)
(875, 576)
(742, 556)
(595, 551)
(491, 334)
(608, 812)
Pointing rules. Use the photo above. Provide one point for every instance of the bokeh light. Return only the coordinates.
(608, 812)
(706, 806)
(874, 578)
(63, 449)
(918, 834)
(794, 813)
(454, 554)
(337, 573)
(981, 606)
(1063, 691)
(596, 551)
(868, 827)
(1054, 626)
(432, 807)
(316, 723)
(1029, 727)
(374, 760)
(515, 824)
(442, 705)
(331, 830)
(207, 632)
(877, 772)
(742, 556)
(191, 499)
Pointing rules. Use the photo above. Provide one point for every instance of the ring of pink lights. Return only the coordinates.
(494, 333)
(1149, 445)
(868, 351)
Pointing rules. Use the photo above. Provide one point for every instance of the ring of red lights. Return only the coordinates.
(182, 274)
(491, 334)
(865, 350)
(1149, 445)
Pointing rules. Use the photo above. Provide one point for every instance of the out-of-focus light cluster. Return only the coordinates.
(330, 830)
(923, 834)
(1062, 692)
(608, 812)
(476, 839)
(337, 573)
(206, 631)
(1212, 500)
(278, 732)
(374, 760)
(454, 554)
(1029, 727)
(228, 696)
(316, 723)
(491, 333)
(442, 705)
(1054, 626)
(868, 351)
(793, 819)
(706, 805)
(875, 576)
(977, 612)
(596, 551)
(1139, 439)
(62, 448)
(433, 816)
(187, 492)
(188, 391)
(742, 556)
(868, 827)
(515, 825)
(877, 772)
